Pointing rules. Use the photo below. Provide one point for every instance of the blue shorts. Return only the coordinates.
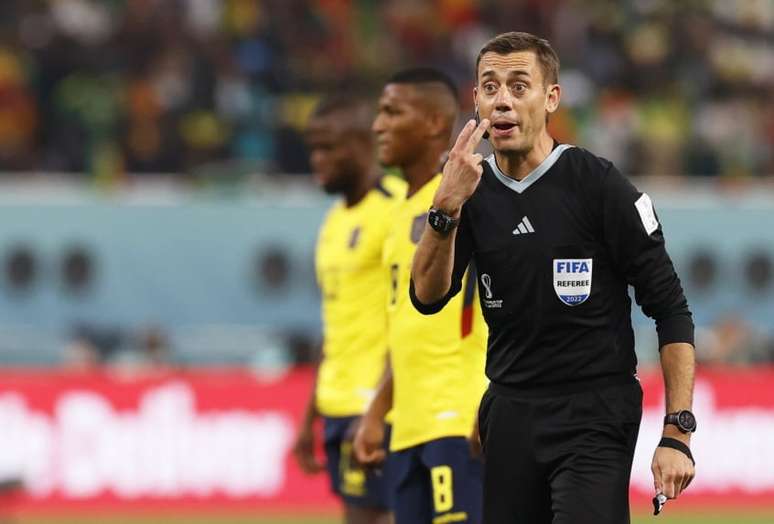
(437, 482)
(355, 485)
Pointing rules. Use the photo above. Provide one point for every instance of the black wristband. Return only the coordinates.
(673, 443)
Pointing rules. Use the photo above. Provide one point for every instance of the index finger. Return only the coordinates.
(657, 484)
(462, 138)
(477, 134)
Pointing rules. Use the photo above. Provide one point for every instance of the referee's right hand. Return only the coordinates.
(462, 171)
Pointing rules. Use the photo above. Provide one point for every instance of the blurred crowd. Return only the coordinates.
(139, 349)
(109, 87)
(731, 339)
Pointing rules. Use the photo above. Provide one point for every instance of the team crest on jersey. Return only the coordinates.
(572, 279)
(354, 238)
(417, 226)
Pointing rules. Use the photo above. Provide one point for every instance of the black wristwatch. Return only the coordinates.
(684, 420)
(440, 221)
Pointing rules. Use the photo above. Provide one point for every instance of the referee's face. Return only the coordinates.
(512, 93)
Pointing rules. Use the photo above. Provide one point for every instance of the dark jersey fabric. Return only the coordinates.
(578, 207)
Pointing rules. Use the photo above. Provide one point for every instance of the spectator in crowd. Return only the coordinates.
(91, 346)
(153, 347)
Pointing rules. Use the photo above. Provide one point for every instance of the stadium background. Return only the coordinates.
(158, 311)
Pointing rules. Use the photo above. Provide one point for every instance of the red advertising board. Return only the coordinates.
(222, 438)
(734, 442)
(202, 437)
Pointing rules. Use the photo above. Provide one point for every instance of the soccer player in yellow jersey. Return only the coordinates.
(437, 362)
(354, 290)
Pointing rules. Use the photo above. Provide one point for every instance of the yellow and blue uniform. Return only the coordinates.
(354, 290)
(438, 380)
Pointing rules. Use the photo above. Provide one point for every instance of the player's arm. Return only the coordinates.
(434, 261)
(303, 450)
(369, 438)
(636, 242)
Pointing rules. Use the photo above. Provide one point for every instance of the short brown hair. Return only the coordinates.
(515, 41)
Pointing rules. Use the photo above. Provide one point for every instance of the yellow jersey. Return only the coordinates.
(354, 287)
(437, 360)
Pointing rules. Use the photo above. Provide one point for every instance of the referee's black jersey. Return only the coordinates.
(554, 254)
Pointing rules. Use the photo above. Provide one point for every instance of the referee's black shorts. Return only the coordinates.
(559, 459)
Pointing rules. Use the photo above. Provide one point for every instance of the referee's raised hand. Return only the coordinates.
(462, 171)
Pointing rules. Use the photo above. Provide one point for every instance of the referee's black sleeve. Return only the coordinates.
(636, 242)
(462, 252)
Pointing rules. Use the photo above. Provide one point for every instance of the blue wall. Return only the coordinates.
(182, 264)
(191, 261)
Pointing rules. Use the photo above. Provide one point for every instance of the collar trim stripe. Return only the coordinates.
(521, 185)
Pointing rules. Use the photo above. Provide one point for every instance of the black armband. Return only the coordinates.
(678, 328)
(673, 443)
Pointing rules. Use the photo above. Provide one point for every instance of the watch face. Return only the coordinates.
(686, 420)
(440, 221)
(436, 221)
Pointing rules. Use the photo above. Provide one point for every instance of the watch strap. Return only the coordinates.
(667, 442)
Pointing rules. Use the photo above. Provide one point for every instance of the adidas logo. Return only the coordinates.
(524, 227)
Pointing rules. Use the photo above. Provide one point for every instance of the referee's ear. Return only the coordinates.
(553, 96)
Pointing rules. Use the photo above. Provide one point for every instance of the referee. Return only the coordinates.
(557, 234)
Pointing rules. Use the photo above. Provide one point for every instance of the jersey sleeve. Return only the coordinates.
(635, 239)
(463, 250)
